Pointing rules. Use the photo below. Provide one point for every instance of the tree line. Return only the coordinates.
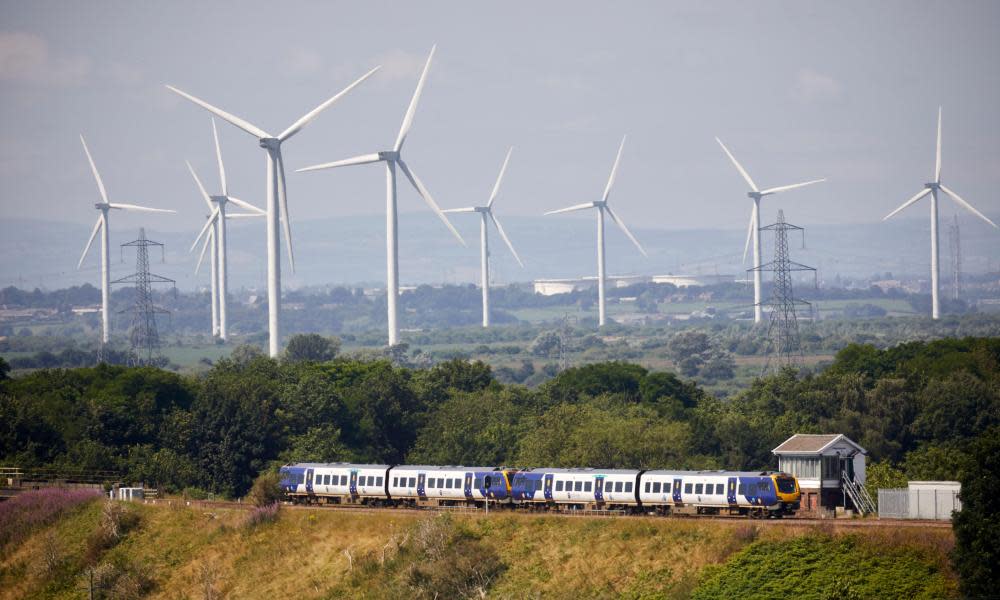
(915, 407)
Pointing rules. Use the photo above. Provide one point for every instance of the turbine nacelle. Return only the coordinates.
(388, 155)
(271, 143)
(934, 185)
(102, 205)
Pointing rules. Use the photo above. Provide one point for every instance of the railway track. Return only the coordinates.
(584, 514)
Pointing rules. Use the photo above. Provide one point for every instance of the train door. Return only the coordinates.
(468, 486)
(599, 489)
(354, 482)
(731, 491)
(309, 481)
(677, 492)
(421, 480)
(548, 487)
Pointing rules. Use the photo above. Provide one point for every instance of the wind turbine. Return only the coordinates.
(276, 198)
(602, 207)
(486, 213)
(392, 158)
(102, 224)
(215, 226)
(932, 189)
(753, 230)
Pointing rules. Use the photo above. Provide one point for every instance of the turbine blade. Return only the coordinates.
(204, 246)
(621, 225)
(467, 209)
(201, 188)
(283, 205)
(410, 110)
(245, 215)
(241, 123)
(614, 171)
(428, 199)
(208, 223)
(571, 208)
(738, 166)
(218, 156)
(93, 167)
(86, 249)
(937, 162)
(496, 186)
(298, 125)
(746, 246)
(506, 240)
(967, 206)
(916, 197)
(141, 208)
(363, 159)
(246, 205)
(783, 188)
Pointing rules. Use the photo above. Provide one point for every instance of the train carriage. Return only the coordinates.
(719, 492)
(448, 486)
(335, 483)
(580, 488)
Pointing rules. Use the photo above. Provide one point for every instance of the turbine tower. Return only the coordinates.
(486, 214)
(932, 189)
(215, 226)
(105, 206)
(276, 198)
(392, 159)
(602, 207)
(753, 230)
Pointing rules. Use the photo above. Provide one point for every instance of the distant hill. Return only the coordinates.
(351, 250)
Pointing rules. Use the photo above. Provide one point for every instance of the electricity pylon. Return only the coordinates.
(143, 336)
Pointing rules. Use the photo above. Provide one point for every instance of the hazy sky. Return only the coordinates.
(845, 90)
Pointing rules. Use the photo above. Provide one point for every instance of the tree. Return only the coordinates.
(596, 379)
(470, 429)
(883, 475)
(311, 347)
(977, 530)
(4, 369)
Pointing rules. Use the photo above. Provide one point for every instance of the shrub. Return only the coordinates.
(261, 515)
(31, 510)
(116, 521)
(266, 489)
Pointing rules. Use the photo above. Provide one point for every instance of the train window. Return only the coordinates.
(458, 483)
(720, 489)
(609, 485)
(647, 488)
(577, 486)
(479, 482)
(618, 486)
(412, 482)
(559, 485)
(697, 488)
(656, 487)
(378, 481)
(687, 488)
(586, 486)
(743, 489)
(343, 480)
(628, 486)
(395, 482)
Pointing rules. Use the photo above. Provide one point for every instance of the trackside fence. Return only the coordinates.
(909, 503)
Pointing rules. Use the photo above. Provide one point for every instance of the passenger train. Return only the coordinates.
(754, 494)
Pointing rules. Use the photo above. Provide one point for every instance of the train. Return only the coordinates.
(756, 494)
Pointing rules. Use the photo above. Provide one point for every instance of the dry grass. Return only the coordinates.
(194, 552)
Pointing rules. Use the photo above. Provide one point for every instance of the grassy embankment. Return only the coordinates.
(191, 552)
